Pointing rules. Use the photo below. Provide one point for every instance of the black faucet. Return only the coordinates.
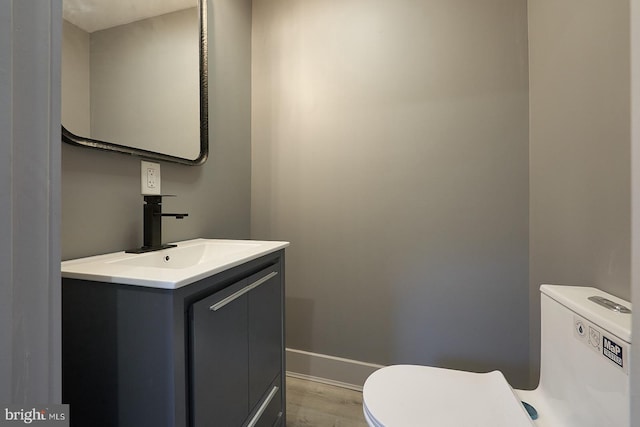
(152, 239)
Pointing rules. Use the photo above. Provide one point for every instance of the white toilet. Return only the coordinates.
(584, 376)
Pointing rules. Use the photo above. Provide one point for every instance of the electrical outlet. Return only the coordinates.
(150, 178)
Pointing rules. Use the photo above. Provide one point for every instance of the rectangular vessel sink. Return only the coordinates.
(171, 268)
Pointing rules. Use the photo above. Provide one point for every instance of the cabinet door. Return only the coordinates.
(265, 332)
(219, 358)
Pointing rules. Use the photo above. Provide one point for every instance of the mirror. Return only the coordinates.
(135, 79)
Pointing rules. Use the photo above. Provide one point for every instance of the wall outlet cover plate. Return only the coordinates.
(149, 178)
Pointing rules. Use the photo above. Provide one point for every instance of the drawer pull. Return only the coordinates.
(263, 407)
(217, 306)
(262, 280)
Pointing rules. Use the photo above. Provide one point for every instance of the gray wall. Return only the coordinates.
(579, 148)
(390, 148)
(635, 208)
(30, 343)
(101, 202)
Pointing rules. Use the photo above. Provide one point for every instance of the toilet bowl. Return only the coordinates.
(584, 376)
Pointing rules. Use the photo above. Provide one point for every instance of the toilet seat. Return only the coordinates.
(416, 396)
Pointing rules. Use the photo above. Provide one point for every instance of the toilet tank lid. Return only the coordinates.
(576, 299)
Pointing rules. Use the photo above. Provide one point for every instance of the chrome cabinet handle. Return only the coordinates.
(217, 306)
(263, 279)
(263, 407)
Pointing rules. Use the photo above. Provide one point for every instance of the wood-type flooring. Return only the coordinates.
(310, 403)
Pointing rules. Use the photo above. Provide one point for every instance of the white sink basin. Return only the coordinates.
(187, 254)
(171, 268)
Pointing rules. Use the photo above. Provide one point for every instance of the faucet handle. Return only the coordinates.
(156, 198)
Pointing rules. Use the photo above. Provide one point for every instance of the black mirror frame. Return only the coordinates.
(71, 138)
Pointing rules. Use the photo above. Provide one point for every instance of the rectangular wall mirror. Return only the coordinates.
(135, 79)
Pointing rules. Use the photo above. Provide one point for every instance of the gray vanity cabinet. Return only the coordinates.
(208, 354)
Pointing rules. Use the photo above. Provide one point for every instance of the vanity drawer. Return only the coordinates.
(269, 412)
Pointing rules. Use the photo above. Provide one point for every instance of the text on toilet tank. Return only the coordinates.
(612, 351)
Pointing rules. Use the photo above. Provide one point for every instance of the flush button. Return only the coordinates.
(607, 303)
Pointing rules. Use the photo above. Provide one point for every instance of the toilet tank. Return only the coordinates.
(585, 356)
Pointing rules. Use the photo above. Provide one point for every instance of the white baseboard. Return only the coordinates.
(328, 369)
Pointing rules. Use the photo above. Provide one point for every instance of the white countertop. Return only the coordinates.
(172, 268)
